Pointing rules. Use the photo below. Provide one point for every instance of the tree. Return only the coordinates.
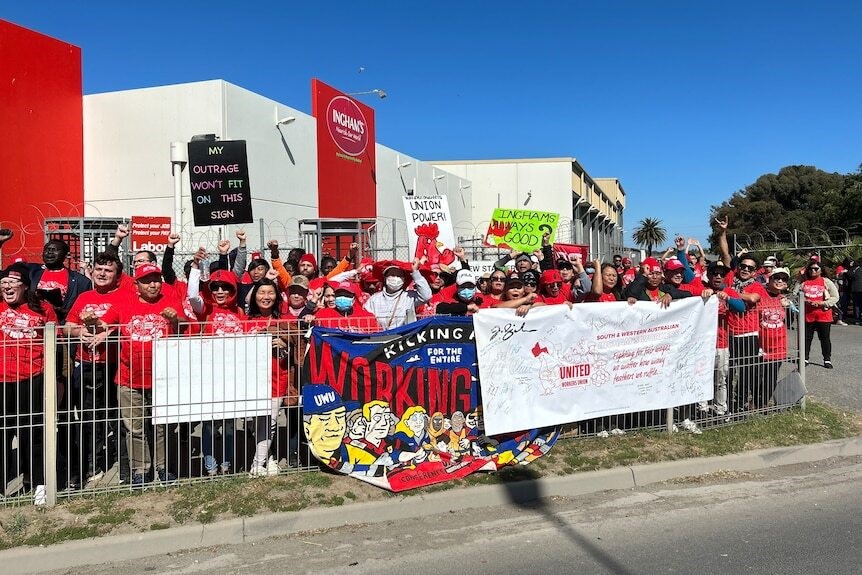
(800, 198)
(649, 233)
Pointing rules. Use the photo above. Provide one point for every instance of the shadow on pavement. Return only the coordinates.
(524, 489)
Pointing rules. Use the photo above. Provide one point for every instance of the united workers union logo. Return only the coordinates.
(347, 125)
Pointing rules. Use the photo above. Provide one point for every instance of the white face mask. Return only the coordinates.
(394, 282)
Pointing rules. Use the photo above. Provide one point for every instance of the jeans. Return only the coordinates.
(208, 445)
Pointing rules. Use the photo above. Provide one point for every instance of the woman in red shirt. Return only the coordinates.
(773, 333)
(607, 286)
(263, 316)
(820, 295)
(22, 325)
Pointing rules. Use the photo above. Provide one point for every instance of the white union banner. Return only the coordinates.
(558, 365)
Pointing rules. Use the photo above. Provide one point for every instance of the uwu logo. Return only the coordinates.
(322, 399)
(347, 125)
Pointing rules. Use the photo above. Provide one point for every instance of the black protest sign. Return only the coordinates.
(218, 174)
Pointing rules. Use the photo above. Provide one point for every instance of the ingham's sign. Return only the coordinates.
(218, 175)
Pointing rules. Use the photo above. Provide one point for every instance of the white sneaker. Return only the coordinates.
(690, 426)
(257, 470)
(39, 497)
(272, 467)
(840, 323)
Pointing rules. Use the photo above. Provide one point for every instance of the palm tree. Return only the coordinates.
(649, 233)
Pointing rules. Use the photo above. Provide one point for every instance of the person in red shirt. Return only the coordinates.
(820, 295)
(263, 316)
(144, 319)
(743, 327)
(607, 286)
(22, 362)
(94, 372)
(729, 301)
(551, 288)
(628, 273)
(772, 332)
(221, 315)
(346, 315)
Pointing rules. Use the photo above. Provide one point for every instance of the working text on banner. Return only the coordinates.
(557, 365)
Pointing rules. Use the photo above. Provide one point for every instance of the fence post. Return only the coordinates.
(669, 418)
(800, 344)
(50, 413)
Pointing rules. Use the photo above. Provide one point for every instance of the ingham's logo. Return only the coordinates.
(347, 125)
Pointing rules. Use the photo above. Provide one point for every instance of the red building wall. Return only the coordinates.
(41, 147)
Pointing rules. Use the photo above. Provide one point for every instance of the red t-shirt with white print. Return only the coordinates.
(141, 324)
(22, 352)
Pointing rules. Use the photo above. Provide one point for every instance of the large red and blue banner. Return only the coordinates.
(401, 409)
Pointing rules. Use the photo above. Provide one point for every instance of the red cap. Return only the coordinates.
(316, 283)
(550, 276)
(652, 264)
(627, 260)
(815, 258)
(673, 264)
(147, 270)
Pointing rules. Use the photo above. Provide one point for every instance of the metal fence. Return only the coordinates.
(68, 429)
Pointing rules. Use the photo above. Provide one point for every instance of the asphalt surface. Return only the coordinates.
(842, 386)
(793, 519)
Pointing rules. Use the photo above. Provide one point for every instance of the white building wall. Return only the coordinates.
(127, 168)
(393, 183)
(508, 184)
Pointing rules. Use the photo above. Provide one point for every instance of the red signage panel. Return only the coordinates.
(346, 178)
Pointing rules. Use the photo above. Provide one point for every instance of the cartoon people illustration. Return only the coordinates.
(458, 443)
(324, 422)
(411, 439)
(437, 429)
(371, 449)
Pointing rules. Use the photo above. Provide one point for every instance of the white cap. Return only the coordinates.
(465, 277)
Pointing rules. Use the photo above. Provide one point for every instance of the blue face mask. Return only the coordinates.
(466, 293)
(343, 302)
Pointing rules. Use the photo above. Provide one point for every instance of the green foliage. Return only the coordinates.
(800, 206)
(649, 233)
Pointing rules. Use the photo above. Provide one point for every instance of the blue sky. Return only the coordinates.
(684, 101)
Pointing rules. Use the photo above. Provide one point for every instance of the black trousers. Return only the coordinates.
(745, 366)
(24, 418)
(822, 328)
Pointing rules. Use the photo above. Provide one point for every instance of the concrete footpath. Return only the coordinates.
(242, 530)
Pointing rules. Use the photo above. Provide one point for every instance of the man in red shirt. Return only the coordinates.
(149, 316)
(745, 362)
(95, 366)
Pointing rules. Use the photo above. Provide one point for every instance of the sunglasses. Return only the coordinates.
(814, 269)
(717, 273)
(498, 278)
(530, 283)
(779, 279)
(220, 287)
(747, 267)
(554, 284)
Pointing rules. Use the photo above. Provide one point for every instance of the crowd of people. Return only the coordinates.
(110, 317)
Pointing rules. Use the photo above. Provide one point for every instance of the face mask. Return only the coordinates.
(466, 293)
(343, 302)
(394, 283)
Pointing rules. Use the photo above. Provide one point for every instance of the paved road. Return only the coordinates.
(796, 519)
(842, 386)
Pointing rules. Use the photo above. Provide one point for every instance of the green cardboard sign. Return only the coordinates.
(520, 230)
